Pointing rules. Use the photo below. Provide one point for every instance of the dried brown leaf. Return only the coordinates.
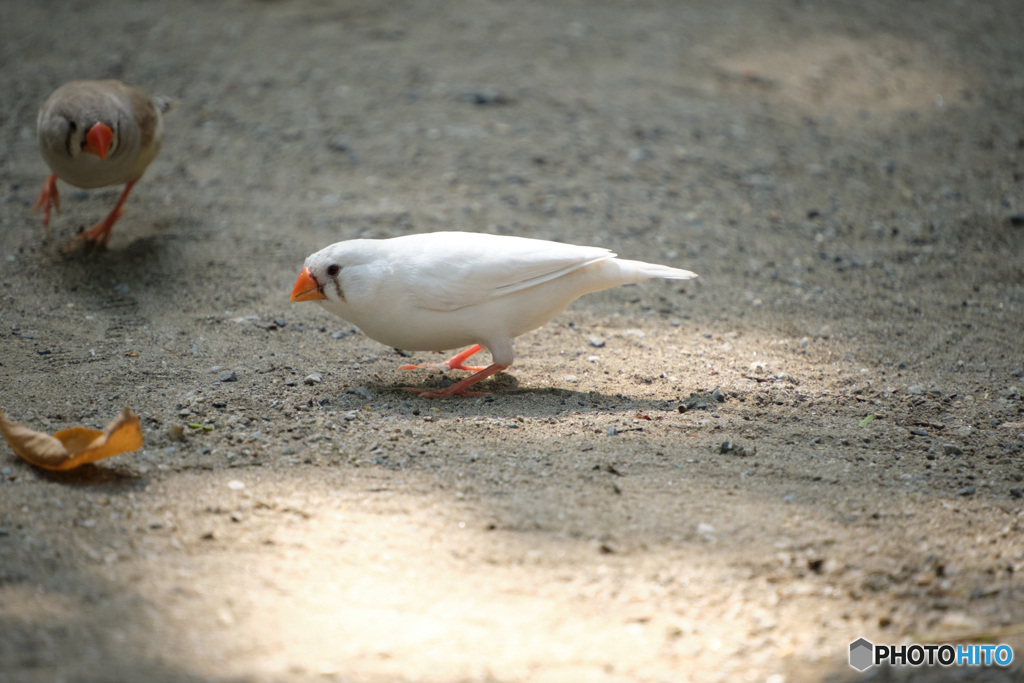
(76, 446)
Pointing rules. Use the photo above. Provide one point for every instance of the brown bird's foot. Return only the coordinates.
(49, 196)
(96, 236)
(460, 387)
(453, 363)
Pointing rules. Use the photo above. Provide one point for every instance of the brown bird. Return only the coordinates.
(95, 134)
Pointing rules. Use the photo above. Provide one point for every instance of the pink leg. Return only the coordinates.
(98, 234)
(453, 363)
(459, 388)
(48, 196)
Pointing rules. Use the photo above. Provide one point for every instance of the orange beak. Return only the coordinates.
(306, 288)
(98, 139)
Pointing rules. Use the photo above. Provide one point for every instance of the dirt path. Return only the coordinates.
(843, 178)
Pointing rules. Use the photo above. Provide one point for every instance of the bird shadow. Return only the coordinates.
(506, 396)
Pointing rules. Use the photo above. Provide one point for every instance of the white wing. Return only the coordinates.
(452, 270)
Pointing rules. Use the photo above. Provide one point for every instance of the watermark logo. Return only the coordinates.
(864, 654)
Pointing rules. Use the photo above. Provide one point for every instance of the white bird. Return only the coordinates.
(445, 290)
(95, 134)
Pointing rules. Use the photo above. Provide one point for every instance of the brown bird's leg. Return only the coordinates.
(48, 196)
(98, 234)
(459, 388)
(453, 363)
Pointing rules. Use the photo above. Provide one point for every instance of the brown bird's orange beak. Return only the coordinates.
(98, 139)
(306, 288)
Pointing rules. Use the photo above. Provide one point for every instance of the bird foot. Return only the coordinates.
(460, 387)
(453, 363)
(96, 237)
(47, 198)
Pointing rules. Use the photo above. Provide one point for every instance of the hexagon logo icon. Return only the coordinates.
(861, 654)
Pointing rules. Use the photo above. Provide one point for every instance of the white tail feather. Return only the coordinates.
(646, 271)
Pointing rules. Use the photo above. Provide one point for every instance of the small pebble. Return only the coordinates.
(916, 390)
(1016, 492)
(313, 378)
(725, 447)
(360, 391)
(340, 143)
(952, 449)
(228, 376)
(966, 491)
(705, 529)
(487, 96)
(571, 378)
(718, 396)
(291, 383)
(640, 154)
(236, 485)
(219, 404)
(612, 431)
(919, 432)
(338, 335)
(596, 342)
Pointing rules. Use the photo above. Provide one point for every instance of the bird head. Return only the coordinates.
(334, 272)
(96, 138)
(320, 278)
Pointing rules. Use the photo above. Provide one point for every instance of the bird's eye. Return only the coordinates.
(72, 125)
(333, 269)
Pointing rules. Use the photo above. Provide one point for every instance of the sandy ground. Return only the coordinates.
(844, 178)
